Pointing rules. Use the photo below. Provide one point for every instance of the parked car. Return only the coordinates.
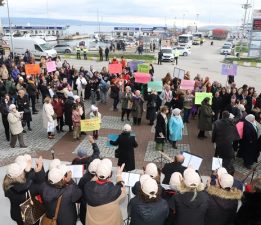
(226, 49)
(184, 51)
(196, 41)
(63, 48)
(167, 54)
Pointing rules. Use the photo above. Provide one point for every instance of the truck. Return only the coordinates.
(219, 34)
(37, 46)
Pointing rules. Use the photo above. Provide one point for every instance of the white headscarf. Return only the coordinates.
(176, 112)
(251, 119)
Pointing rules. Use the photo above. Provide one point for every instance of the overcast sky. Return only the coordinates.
(180, 12)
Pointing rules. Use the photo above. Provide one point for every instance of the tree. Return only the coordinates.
(2, 2)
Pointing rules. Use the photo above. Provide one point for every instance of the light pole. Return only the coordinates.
(10, 29)
(197, 15)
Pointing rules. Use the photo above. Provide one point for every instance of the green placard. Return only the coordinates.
(199, 97)
(155, 86)
(143, 68)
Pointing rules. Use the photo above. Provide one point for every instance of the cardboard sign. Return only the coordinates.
(32, 69)
(142, 78)
(51, 66)
(187, 85)
(229, 69)
(115, 68)
(90, 124)
(200, 96)
(134, 65)
(143, 68)
(240, 128)
(155, 86)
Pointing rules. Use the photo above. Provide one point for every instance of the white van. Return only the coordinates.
(38, 47)
(167, 54)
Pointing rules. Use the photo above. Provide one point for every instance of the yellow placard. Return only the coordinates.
(90, 124)
(200, 96)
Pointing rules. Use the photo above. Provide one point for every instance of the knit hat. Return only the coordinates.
(11, 107)
(104, 169)
(94, 108)
(14, 170)
(226, 180)
(221, 171)
(127, 128)
(191, 178)
(27, 158)
(93, 166)
(55, 175)
(150, 188)
(21, 160)
(76, 97)
(152, 170)
(82, 152)
(54, 164)
(144, 177)
(175, 180)
(176, 111)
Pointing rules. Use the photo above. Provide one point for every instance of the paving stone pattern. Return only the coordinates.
(185, 130)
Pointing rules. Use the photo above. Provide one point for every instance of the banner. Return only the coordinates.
(179, 73)
(142, 78)
(229, 69)
(200, 96)
(143, 68)
(155, 86)
(134, 65)
(187, 85)
(115, 68)
(32, 69)
(90, 124)
(51, 66)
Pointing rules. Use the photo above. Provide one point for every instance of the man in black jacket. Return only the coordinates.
(173, 167)
(224, 134)
(4, 108)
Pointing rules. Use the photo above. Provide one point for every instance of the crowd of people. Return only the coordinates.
(62, 94)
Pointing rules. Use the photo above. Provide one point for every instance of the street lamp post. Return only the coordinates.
(10, 29)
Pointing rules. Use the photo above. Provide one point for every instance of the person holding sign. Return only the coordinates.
(205, 118)
(126, 144)
(95, 114)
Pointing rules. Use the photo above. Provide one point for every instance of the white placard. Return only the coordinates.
(192, 161)
(130, 179)
(77, 170)
(216, 163)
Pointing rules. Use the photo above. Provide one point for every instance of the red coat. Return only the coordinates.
(58, 107)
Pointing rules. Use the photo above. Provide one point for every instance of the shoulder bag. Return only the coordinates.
(47, 221)
(31, 210)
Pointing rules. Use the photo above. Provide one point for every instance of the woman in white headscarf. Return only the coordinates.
(175, 127)
(249, 149)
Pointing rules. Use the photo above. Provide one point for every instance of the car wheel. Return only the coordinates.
(68, 51)
(185, 54)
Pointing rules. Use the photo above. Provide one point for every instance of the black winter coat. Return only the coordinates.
(224, 134)
(222, 207)
(126, 144)
(23, 105)
(249, 212)
(151, 107)
(153, 213)
(31, 89)
(68, 104)
(170, 168)
(71, 193)
(161, 127)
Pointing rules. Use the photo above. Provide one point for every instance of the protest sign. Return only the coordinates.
(77, 170)
(90, 124)
(134, 65)
(192, 161)
(143, 68)
(229, 69)
(32, 69)
(179, 73)
(115, 68)
(51, 66)
(187, 85)
(142, 78)
(155, 86)
(200, 96)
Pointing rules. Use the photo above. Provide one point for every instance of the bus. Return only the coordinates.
(185, 40)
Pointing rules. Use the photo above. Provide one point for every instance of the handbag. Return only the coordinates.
(31, 210)
(47, 221)
(117, 153)
(54, 116)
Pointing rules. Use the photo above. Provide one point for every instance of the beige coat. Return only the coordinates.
(15, 123)
(48, 113)
(109, 214)
(4, 73)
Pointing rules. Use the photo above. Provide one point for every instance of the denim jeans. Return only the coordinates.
(103, 96)
(186, 115)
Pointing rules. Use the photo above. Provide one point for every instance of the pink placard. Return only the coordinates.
(240, 128)
(115, 68)
(51, 66)
(187, 85)
(142, 78)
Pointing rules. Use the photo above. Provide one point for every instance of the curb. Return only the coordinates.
(247, 64)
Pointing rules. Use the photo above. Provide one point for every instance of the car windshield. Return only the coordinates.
(166, 50)
(45, 46)
(183, 39)
(226, 47)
